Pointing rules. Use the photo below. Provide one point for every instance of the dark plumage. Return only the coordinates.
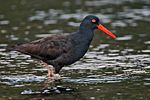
(60, 50)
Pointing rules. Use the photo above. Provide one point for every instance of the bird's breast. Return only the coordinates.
(73, 55)
(79, 46)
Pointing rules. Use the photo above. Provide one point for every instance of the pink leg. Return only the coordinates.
(49, 68)
(51, 74)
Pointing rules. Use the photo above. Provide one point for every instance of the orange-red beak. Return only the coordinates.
(106, 31)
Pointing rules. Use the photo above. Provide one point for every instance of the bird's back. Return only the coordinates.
(48, 48)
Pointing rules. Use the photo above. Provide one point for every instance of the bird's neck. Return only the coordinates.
(86, 32)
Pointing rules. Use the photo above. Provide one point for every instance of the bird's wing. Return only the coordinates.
(47, 48)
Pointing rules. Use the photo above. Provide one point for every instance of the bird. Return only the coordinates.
(59, 50)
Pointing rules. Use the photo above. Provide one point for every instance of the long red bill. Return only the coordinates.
(101, 27)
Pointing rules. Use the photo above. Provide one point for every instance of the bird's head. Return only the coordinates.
(93, 22)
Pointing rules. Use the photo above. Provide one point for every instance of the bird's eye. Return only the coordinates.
(94, 21)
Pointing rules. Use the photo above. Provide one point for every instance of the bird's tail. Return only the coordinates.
(11, 48)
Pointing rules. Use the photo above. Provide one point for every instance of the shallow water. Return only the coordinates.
(111, 69)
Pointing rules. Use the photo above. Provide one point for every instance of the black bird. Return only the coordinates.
(57, 51)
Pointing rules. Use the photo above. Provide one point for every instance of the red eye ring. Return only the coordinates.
(93, 20)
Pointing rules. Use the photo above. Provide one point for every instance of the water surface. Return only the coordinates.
(111, 69)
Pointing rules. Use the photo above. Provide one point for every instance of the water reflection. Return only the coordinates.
(94, 61)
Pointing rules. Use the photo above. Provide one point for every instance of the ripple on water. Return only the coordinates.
(74, 15)
(128, 64)
(101, 46)
(130, 16)
(2, 50)
(56, 31)
(146, 51)
(17, 55)
(16, 79)
(4, 22)
(41, 15)
(103, 2)
(73, 24)
(3, 31)
(3, 45)
(92, 79)
(12, 37)
(47, 22)
(126, 37)
(118, 24)
(146, 81)
(147, 67)
(52, 16)
(43, 35)
(147, 42)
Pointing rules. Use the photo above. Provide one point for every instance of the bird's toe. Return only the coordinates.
(57, 77)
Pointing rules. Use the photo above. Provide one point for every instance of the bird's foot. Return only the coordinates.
(57, 77)
(52, 75)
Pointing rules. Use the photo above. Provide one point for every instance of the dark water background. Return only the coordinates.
(111, 70)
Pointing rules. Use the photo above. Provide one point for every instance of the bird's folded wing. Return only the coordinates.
(46, 48)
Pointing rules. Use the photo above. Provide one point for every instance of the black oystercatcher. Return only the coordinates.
(57, 51)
